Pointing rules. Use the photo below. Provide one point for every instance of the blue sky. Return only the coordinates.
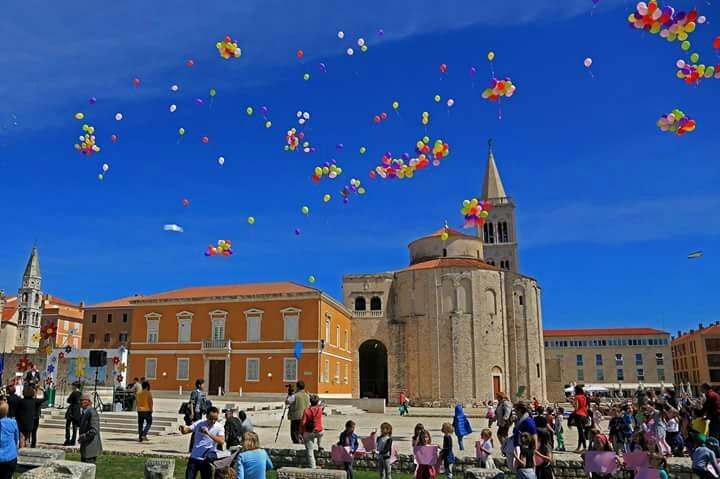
(608, 206)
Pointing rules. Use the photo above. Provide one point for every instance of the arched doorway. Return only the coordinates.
(373, 370)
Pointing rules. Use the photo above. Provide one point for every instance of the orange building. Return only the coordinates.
(696, 357)
(241, 338)
(65, 319)
(107, 325)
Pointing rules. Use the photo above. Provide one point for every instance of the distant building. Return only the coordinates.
(696, 357)
(108, 325)
(615, 359)
(240, 338)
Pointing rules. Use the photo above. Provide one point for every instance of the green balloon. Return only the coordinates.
(213, 92)
(249, 110)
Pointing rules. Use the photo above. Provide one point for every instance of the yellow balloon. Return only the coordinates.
(491, 55)
(79, 116)
(268, 124)
(251, 220)
(326, 198)
(305, 210)
(181, 131)
(437, 98)
(444, 236)
(396, 105)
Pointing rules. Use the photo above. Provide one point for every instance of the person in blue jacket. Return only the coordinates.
(9, 439)
(461, 425)
(253, 462)
(348, 438)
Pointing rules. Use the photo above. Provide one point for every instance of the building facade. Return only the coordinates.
(108, 324)
(696, 357)
(62, 323)
(242, 338)
(616, 359)
(459, 323)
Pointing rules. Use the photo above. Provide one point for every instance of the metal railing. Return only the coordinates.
(369, 314)
(216, 345)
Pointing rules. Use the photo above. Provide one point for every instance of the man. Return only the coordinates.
(89, 439)
(32, 377)
(233, 427)
(197, 400)
(711, 409)
(295, 412)
(208, 435)
(144, 401)
(72, 414)
(13, 401)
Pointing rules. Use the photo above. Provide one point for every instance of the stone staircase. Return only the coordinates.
(116, 422)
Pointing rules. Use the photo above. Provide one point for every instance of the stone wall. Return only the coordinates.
(564, 469)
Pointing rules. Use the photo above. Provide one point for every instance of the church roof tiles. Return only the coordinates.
(284, 287)
(450, 263)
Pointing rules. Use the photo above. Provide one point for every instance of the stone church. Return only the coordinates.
(460, 322)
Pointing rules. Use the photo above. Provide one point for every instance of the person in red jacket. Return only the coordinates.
(311, 427)
(711, 409)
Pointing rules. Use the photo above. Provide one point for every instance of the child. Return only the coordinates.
(524, 456)
(348, 438)
(384, 451)
(615, 431)
(674, 439)
(425, 471)
(490, 414)
(419, 428)
(461, 425)
(446, 453)
(660, 431)
(627, 426)
(544, 456)
(559, 429)
(403, 407)
(485, 450)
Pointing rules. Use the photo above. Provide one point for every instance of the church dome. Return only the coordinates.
(457, 245)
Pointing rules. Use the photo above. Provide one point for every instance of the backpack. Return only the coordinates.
(310, 423)
(185, 409)
(224, 467)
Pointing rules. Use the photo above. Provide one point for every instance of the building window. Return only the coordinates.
(598, 360)
(218, 329)
(289, 369)
(253, 329)
(94, 318)
(360, 303)
(337, 336)
(337, 372)
(620, 374)
(600, 374)
(153, 325)
(107, 337)
(109, 317)
(184, 331)
(714, 376)
(347, 340)
(640, 374)
(661, 374)
(252, 369)
(183, 369)
(346, 380)
(327, 330)
(618, 359)
(291, 327)
(444, 252)
(537, 369)
(580, 374)
(579, 360)
(91, 338)
(659, 359)
(123, 337)
(638, 359)
(327, 371)
(375, 304)
(713, 360)
(489, 233)
(521, 299)
(503, 232)
(150, 368)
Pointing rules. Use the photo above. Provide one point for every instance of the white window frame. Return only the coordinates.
(327, 329)
(182, 322)
(252, 315)
(337, 372)
(247, 369)
(347, 368)
(217, 317)
(337, 337)
(286, 377)
(152, 324)
(347, 340)
(327, 371)
(177, 375)
(147, 373)
(291, 314)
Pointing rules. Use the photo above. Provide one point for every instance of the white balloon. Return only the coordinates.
(173, 108)
(105, 167)
(680, 63)
(587, 62)
(174, 88)
(118, 116)
(301, 121)
(306, 115)
(701, 19)
(361, 42)
(341, 35)
(350, 51)
(450, 102)
(299, 114)
(221, 160)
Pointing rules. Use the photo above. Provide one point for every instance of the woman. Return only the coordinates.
(524, 457)
(311, 426)
(581, 417)
(461, 425)
(9, 438)
(25, 416)
(72, 415)
(253, 462)
(503, 412)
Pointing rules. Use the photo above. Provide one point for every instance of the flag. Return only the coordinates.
(298, 349)
(2, 362)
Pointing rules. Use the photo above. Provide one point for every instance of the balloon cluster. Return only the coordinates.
(405, 166)
(293, 139)
(498, 89)
(671, 24)
(351, 188)
(227, 48)
(677, 122)
(329, 169)
(381, 117)
(223, 248)
(87, 145)
(474, 212)
(693, 72)
(303, 117)
(425, 118)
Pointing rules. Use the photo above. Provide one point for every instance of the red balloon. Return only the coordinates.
(652, 7)
(692, 16)
(372, 174)
(205, 139)
(443, 68)
(300, 53)
(113, 138)
(377, 119)
(186, 202)
(315, 178)
(228, 40)
(190, 63)
(716, 42)
(383, 115)
(136, 82)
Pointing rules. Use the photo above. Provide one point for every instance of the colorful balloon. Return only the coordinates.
(677, 122)
(181, 131)
(185, 202)
(353, 187)
(666, 21)
(221, 160)
(300, 53)
(205, 139)
(326, 198)
(587, 62)
(223, 248)
(491, 55)
(405, 166)
(341, 35)
(329, 169)
(311, 279)
(498, 89)
(475, 212)
(443, 67)
(136, 82)
(87, 144)
(118, 116)
(228, 48)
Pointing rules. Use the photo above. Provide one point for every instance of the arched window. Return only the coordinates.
(444, 252)
(489, 233)
(25, 297)
(503, 232)
(360, 304)
(375, 304)
(490, 261)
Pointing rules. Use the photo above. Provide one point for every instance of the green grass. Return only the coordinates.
(132, 467)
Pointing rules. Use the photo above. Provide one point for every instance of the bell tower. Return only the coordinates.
(30, 306)
(499, 231)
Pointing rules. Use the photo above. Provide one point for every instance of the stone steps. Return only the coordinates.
(118, 423)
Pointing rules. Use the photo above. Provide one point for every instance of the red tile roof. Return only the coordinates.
(54, 300)
(450, 263)
(713, 329)
(115, 303)
(556, 333)
(231, 290)
(10, 308)
(451, 232)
